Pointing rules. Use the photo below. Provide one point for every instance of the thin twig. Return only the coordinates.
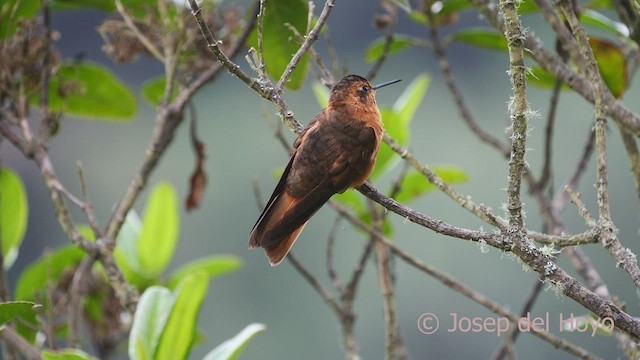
(456, 94)
(631, 147)
(148, 44)
(311, 279)
(18, 342)
(331, 269)
(385, 282)
(510, 338)
(560, 200)
(76, 292)
(388, 40)
(545, 176)
(326, 77)
(261, 67)
(276, 127)
(310, 38)
(88, 208)
(564, 37)
(46, 72)
(582, 209)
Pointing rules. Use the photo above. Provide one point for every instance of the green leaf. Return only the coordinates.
(385, 154)
(231, 349)
(612, 65)
(12, 309)
(149, 321)
(159, 235)
(180, 329)
(153, 90)
(482, 37)
(213, 266)
(415, 184)
(410, 99)
(600, 21)
(397, 120)
(321, 92)
(12, 11)
(90, 91)
(376, 48)
(126, 253)
(14, 210)
(66, 354)
(279, 42)
(46, 270)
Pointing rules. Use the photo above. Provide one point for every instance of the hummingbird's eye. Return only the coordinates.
(365, 88)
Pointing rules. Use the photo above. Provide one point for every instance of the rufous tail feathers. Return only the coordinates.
(276, 245)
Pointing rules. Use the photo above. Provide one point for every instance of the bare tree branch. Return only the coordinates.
(625, 258)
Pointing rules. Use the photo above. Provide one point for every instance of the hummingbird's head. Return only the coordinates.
(355, 90)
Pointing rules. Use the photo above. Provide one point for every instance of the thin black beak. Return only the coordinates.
(375, 87)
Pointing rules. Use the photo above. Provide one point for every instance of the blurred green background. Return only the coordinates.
(241, 149)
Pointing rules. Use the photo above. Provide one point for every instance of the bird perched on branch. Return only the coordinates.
(336, 151)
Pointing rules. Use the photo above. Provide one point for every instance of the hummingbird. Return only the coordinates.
(336, 151)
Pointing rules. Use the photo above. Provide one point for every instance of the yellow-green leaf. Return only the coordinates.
(66, 354)
(416, 184)
(322, 94)
(599, 20)
(376, 48)
(180, 329)
(149, 321)
(153, 90)
(231, 349)
(14, 210)
(90, 91)
(612, 65)
(213, 266)
(279, 42)
(13, 309)
(35, 278)
(482, 37)
(397, 120)
(159, 235)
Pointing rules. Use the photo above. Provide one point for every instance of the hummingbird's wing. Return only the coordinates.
(285, 216)
(323, 164)
(271, 210)
(281, 220)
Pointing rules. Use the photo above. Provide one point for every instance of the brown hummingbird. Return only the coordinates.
(336, 151)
